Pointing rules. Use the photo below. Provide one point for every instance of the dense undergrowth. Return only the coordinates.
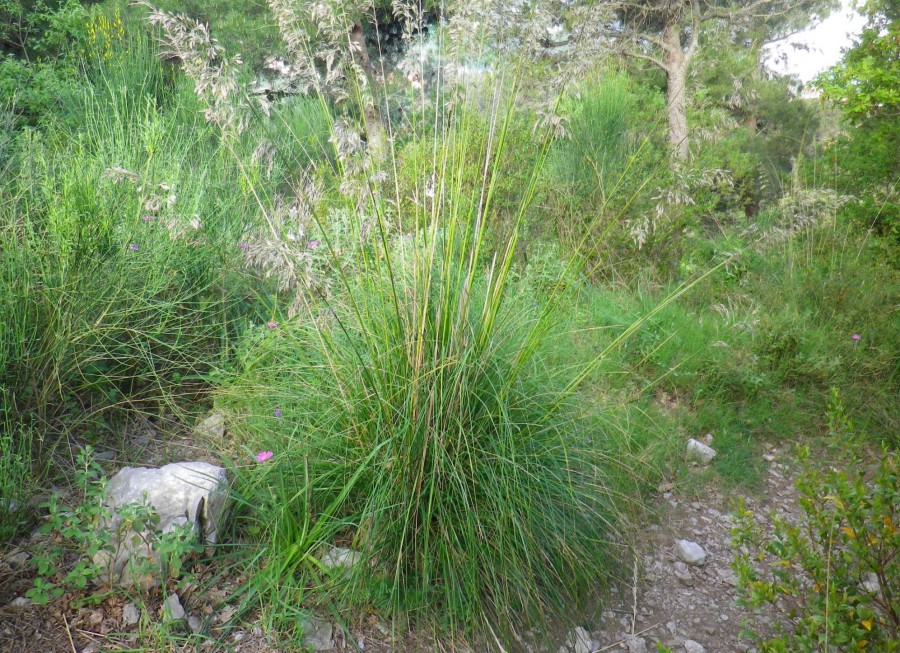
(470, 354)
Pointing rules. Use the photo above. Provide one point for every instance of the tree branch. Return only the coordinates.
(695, 31)
(645, 57)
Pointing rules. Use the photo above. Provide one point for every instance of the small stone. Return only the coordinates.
(226, 613)
(339, 557)
(20, 602)
(700, 452)
(672, 627)
(131, 614)
(104, 455)
(579, 641)
(768, 457)
(683, 574)
(870, 584)
(194, 624)
(636, 645)
(212, 427)
(317, 634)
(689, 552)
(93, 647)
(17, 560)
(690, 646)
(172, 609)
(140, 440)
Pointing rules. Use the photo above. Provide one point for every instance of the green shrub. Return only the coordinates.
(602, 173)
(835, 573)
(16, 471)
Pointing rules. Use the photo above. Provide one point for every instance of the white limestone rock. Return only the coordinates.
(212, 427)
(131, 614)
(187, 494)
(579, 640)
(690, 553)
(700, 452)
(172, 609)
(340, 558)
(318, 634)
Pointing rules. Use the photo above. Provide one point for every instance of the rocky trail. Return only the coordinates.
(685, 595)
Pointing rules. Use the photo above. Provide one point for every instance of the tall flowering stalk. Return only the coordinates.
(203, 60)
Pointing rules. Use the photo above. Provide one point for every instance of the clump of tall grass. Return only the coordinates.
(413, 416)
(120, 280)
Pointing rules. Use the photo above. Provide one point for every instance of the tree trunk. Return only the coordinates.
(676, 90)
(374, 127)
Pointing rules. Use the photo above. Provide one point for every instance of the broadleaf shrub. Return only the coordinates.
(834, 574)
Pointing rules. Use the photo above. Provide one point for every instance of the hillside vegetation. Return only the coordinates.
(471, 280)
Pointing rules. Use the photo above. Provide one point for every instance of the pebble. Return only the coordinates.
(870, 584)
(339, 557)
(131, 614)
(20, 602)
(690, 646)
(172, 609)
(636, 645)
(317, 633)
(689, 552)
(194, 624)
(579, 640)
(699, 452)
(17, 560)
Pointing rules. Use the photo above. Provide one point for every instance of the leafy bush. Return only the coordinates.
(16, 473)
(834, 574)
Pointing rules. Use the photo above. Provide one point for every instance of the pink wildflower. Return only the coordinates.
(263, 456)
(312, 244)
(272, 324)
(856, 337)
